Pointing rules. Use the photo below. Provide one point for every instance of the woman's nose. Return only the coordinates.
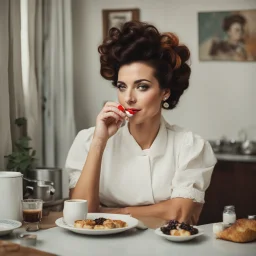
(130, 98)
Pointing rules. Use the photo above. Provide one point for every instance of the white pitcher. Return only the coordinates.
(11, 194)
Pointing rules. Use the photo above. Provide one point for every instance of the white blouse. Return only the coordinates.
(178, 164)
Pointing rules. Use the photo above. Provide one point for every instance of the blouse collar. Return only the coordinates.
(157, 148)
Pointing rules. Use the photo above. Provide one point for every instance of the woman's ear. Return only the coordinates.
(167, 94)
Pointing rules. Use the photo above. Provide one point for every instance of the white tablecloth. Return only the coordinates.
(134, 242)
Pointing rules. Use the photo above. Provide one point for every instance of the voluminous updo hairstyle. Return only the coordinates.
(141, 42)
(229, 20)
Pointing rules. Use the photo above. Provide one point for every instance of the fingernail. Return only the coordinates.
(120, 107)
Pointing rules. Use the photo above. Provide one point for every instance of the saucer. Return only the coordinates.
(7, 226)
(179, 238)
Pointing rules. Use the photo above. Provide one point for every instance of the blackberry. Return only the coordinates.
(171, 227)
(165, 230)
(194, 231)
(172, 222)
(99, 221)
(185, 226)
(189, 228)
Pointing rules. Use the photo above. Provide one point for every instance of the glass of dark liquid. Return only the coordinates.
(32, 213)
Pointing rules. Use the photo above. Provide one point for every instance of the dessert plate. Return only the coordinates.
(7, 226)
(131, 223)
(179, 238)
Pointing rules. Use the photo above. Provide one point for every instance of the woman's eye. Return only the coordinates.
(120, 87)
(143, 87)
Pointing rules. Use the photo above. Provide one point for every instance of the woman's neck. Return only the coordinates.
(233, 42)
(145, 133)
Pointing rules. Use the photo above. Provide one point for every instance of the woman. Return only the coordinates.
(146, 167)
(233, 47)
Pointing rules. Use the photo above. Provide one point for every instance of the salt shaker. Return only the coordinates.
(252, 217)
(229, 215)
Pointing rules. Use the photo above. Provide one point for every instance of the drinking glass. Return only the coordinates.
(32, 213)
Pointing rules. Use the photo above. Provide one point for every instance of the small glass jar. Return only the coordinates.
(229, 215)
(252, 217)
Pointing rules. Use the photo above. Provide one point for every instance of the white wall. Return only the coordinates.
(221, 98)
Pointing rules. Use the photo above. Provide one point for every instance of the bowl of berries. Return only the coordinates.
(178, 232)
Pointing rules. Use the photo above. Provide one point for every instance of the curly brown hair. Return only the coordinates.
(141, 42)
(229, 20)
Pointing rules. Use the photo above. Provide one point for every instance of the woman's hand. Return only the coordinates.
(108, 121)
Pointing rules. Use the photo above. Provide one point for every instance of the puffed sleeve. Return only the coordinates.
(196, 161)
(77, 155)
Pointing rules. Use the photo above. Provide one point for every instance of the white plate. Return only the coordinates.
(7, 226)
(131, 223)
(179, 238)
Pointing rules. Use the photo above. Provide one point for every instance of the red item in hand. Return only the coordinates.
(120, 107)
(131, 111)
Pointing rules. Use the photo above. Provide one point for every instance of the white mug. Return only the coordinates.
(74, 209)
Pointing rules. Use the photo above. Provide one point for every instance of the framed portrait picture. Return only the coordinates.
(116, 18)
(227, 35)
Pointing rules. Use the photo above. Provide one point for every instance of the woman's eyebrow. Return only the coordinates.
(141, 80)
(135, 82)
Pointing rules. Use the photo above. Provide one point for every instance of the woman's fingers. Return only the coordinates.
(119, 123)
(116, 105)
(115, 110)
(112, 112)
(107, 115)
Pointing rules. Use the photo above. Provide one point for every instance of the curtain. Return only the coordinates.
(11, 96)
(45, 28)
(48, 78)
(59, 124)
(32, 48)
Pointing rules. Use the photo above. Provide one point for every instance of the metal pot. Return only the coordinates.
(248, 147)
(48, 174)
(39, 189)
(230, 146)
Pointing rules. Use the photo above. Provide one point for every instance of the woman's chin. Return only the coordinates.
(136, 120)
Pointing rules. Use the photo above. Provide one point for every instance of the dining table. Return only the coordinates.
(53, 240)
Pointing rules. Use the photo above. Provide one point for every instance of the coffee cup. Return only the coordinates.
(74, 209)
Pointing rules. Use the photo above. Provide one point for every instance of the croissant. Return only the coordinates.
(242, 231)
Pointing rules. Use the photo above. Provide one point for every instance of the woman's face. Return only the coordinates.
(235, 32)
(138, 89)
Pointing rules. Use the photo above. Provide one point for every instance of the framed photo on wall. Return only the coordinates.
(117, 17)
(227, 35)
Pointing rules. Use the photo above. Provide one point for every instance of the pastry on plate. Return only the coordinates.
(88, 224)
(180, 232)
(120, 223)
(100, 223)
(242, 231)
(78, 223)
(109, 224)
(174, 228)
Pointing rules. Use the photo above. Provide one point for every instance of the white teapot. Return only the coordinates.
(11, 194)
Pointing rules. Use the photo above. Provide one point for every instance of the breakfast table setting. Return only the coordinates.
(140, 237)
(27, 229)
